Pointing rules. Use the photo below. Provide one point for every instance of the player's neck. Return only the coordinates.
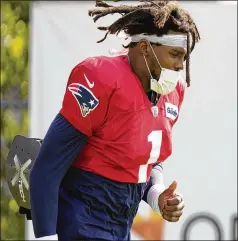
(141, 73)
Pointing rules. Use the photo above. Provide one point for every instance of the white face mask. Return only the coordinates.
(167, 81)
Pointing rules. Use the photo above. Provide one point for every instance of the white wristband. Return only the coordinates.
(153, 196)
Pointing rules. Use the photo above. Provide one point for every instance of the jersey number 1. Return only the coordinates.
(155, 137)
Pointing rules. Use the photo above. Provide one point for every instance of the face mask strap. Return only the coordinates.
(155, 55)
(147, 62)
(147, 66)
(154, 95)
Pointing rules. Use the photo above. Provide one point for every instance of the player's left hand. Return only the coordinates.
(171, 204)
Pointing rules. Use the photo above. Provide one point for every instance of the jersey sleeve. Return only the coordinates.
(181, 91)
(85, 101)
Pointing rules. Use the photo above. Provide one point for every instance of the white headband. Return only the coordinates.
(173, 40)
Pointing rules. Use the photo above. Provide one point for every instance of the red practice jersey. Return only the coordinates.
(105, 100)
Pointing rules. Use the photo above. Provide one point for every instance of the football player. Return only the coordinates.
(104, 150)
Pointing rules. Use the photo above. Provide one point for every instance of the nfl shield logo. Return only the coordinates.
(155, 111)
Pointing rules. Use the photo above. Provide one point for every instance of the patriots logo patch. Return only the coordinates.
(87, 101)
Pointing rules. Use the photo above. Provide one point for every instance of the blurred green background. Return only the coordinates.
(14, 97)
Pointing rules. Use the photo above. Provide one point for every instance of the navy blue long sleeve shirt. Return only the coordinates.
(61, 145)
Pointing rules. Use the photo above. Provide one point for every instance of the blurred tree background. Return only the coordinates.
(14, 98)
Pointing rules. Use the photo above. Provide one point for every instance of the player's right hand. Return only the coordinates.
(171, 204)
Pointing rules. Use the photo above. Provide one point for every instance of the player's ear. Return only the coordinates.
(144, 47)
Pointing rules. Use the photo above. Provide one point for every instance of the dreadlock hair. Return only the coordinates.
(150, 17)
